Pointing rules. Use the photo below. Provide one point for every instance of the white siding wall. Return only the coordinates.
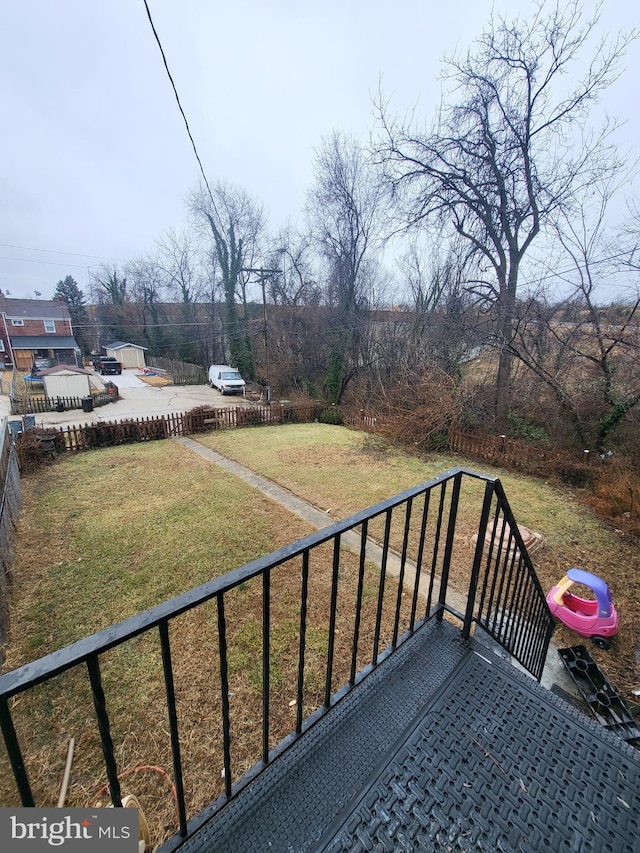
(128, 356)
(67, 385)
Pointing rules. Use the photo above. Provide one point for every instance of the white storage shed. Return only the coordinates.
(129, 355)
(65, 380)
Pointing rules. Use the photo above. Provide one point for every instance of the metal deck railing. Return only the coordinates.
(368, 614)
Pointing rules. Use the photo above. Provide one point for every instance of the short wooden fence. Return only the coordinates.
(574, 468)
(39, 405)
(10, 502)
(199, 420)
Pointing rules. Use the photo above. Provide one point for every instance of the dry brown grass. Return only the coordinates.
(346, 471)
(106, 534)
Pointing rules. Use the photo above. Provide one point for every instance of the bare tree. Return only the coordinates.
(508, 154)
(586, 353)
(296, 284)
(177, 258)
(345, 209)
(108, 285)
(109, 288)
(147, 288)
(235, 222)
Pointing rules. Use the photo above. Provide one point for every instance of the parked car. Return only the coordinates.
(226, 379)
(107, 364)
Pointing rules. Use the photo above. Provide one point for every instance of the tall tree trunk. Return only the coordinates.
(506, 314)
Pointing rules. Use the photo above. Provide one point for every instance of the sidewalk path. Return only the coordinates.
(319, 519)
(554, 673)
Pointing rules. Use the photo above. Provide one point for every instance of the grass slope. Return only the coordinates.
(108, 533)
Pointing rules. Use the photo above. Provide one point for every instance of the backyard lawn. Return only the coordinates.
(344, 471)
(108, 533)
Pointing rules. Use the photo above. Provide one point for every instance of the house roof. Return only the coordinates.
(121, 345)
(22, 309)
(43, 342)
(60, 368)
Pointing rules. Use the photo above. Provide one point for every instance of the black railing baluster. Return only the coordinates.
(403, 563)
(332, 619)
(495, 600)
(538, 642)
(419, 558)
(518, 624)
(488, 561)
(504, 598)
(104, 728)
(381, 586)
(224, 690)
(358, 614)
(15, 755)
(524, 647)
(303, 639)
(516, 614)
(167, 667)
(436, 546)
(477, 560)
(266, 653)
(448, 548)
(509, 560)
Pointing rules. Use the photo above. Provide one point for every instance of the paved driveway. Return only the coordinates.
(140, 400)
(127, 379)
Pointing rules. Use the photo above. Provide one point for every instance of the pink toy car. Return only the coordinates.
(596, 619)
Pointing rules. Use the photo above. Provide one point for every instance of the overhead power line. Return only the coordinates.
(175, 92)
(60, 252)
(48, 263)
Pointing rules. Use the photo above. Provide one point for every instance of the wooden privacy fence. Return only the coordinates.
(181, 372)
(496, 450)
(199, 420)
(10, 501)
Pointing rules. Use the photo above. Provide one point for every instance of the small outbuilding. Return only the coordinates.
(129, 355)
(65, 380)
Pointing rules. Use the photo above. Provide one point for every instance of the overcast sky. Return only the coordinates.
(95, 160)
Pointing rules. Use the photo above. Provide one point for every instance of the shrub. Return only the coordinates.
(331, 416)
(438, 441)
(616, 494)
(521, 428)
(38, 446)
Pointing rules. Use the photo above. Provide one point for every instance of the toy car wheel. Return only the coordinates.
(601, 642)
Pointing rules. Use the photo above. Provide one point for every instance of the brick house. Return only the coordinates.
(36, 331)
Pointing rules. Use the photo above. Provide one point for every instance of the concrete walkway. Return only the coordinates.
(554, 673)
(319, 519)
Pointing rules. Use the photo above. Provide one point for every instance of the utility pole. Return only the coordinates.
(263, 275)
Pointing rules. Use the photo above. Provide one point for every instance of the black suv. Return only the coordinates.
(107, 364)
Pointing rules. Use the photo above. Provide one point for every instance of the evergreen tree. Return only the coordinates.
(73, 297)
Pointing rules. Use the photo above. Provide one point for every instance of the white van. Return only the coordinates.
(226, 379)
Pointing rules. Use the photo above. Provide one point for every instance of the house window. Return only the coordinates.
(1, 345)
(17, 322)
(50, 326)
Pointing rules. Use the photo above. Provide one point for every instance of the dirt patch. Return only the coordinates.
(155, 381)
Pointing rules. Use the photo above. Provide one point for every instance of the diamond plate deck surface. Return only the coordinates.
(494, 765)
(295, 799)
(440, 749)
